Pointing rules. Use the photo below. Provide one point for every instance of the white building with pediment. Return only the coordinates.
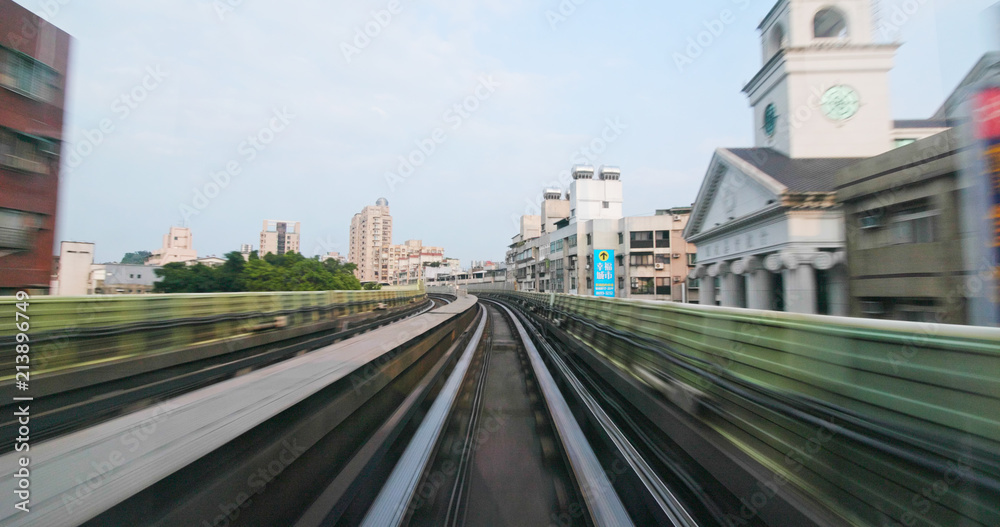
(768, 229)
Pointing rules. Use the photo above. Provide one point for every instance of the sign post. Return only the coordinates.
(604, 273)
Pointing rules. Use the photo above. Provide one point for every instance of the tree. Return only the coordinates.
(288, 272)
(136, 258)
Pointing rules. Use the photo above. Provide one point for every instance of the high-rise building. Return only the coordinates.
(371, 232)
(279, 237)
(33, 64)
(177, 247)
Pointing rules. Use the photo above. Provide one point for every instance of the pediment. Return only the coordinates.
(732, 189)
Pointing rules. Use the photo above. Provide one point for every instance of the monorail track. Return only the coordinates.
(500, 461)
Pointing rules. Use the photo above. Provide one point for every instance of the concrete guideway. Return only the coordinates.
(78, 476)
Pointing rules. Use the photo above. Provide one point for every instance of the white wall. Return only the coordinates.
(75, 260)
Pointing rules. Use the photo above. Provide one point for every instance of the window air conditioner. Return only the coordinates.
(659, 267)
(675, 255)
(871, 221)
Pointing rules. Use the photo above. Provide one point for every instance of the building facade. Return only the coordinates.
(371, 232)
(903, 213)
(413, 258)
(76, 260)
(769, 230)
(554, 251)
(279, 237)
(34, 56)
(178, 246)
(124, 279)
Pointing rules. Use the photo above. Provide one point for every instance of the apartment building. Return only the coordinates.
(413, 257)
(646, 256)
(280, 237)
(33, 64)
(370, 237)
(178, 246)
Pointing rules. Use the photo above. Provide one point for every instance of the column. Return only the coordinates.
(707, 293)
(727, 285)
(760, 290)
(840, 296)
(800, 289)
(733, 290)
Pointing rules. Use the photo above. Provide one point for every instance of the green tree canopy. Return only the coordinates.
(136, 258)
(288, 272)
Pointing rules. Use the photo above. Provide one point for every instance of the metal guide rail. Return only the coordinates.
(829, 407)
(178, 462)
(499, 447)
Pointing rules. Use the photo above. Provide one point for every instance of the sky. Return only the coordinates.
(219, 114)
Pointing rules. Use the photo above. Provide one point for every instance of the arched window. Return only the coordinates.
(778, 39)
(830, 23)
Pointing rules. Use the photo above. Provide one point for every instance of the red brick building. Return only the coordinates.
(34, 56)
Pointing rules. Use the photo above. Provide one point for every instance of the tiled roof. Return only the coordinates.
(799, 175)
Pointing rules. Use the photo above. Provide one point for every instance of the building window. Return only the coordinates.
(22, 152)
(26, 75)
(914, 226)
(830, 23)
(663, 286)
(605, 204)
(915, 222)
(663, 239)
(663, 259)
(621, 260)
(641, 239)
(694, 283)
(571, 241)
(642, 286)
(590, 239)
(904, 142)
(17, 229)
(692, 259)
(590, 282)
(637, 259)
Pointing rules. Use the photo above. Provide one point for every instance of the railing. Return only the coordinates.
(68, 331)
(864, 415)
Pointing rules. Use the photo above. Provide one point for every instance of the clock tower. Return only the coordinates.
(824, 89)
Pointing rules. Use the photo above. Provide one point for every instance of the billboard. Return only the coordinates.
(981, 204)
(604, 273)
(987, 124)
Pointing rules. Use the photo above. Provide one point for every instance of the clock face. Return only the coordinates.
(841, 103)
(770, 120)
